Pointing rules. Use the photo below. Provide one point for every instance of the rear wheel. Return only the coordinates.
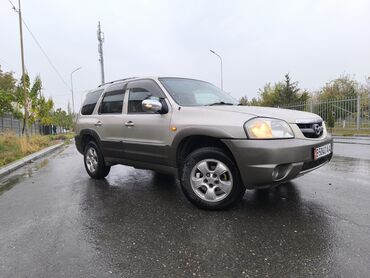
(210, 179)
(94, 162)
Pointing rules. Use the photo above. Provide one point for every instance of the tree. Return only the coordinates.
(342, 88)
(7, 90)
(331, 120)
(40, 108)
(243, 100)
(62, 119)
(282, 93)
(253, 102)
(270, 95)
(291, 93)
(44, 110)
(339, 88)
(34, 92)
(6, 99)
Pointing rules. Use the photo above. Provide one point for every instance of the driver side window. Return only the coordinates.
(141, 90)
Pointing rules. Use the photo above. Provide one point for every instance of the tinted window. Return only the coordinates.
(90, 102)
(140, 90)
(112, 103)
(190, 92)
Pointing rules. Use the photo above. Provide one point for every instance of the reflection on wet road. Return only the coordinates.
(55, 221)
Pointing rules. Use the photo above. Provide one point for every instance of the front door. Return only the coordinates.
(146, 134)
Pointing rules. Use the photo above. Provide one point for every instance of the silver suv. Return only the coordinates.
(193, 129)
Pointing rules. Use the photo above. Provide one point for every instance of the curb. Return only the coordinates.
(5, 170)
(355, 140)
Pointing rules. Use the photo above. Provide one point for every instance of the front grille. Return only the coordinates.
(314, 163)
(311, 130)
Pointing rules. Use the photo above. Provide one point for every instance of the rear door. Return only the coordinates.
(146, 134)
(87, 118)
(110, 120)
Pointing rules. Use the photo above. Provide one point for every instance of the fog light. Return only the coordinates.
(281, 171)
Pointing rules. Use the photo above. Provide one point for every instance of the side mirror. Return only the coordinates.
(151, 105)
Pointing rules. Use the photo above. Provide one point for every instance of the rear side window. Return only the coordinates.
(140, 90)
(112, 103)
(90, 102)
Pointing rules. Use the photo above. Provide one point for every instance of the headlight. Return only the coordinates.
(266, 128)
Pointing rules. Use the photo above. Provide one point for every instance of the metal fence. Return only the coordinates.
(349, 113)
(10, 124)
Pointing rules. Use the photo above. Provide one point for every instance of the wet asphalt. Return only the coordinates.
(57, 222)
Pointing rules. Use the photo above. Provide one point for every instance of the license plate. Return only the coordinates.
(321, 151)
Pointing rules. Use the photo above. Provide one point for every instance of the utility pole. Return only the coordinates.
(23, 72)
(222, 77)
(100, 50)
(73, 100)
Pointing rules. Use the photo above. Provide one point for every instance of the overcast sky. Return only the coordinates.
(260, 41)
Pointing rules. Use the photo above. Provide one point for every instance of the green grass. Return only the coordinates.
(62, 136)
(13, 147)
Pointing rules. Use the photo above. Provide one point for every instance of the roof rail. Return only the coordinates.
(111, 82)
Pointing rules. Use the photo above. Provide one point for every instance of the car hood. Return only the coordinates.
(288, 115)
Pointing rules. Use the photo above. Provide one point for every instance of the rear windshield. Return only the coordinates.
(90, 102)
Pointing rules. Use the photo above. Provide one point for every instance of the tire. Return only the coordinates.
(204, 185)
(94, 162)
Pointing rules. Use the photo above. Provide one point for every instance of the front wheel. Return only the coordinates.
(210, 179)
(94, 162)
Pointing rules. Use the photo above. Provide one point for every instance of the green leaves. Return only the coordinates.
(282, 93)
(7, 91)
(12, 100)
(342, 87)
(6, 99)
(62, 119)
(278, 94)
(330, 120)
(44, 110)
(286, 93)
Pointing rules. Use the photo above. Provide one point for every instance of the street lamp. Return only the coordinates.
(73, 101)
(222, 81)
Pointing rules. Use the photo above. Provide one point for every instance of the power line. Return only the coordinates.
(42, 50)
(47, 57)
(68, 94)
(13, 7)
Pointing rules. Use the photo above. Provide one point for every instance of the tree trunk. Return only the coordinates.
(24, 126)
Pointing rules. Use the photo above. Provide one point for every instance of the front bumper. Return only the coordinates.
(263, 163)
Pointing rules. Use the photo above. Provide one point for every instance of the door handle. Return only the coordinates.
(129, 124)
(98, 123)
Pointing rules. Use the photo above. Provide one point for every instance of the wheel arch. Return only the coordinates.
(193, 142)
(88, 135)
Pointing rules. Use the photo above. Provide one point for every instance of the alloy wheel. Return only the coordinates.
(91, 160)
(211, 180)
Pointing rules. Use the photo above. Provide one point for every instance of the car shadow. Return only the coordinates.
(272, 198)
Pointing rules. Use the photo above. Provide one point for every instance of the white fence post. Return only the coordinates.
(358, 112)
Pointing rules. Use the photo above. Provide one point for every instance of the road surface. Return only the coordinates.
(57, 222)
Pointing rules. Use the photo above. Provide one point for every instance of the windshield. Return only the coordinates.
(190, 92)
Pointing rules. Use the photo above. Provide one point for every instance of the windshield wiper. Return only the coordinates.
(221, 103)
